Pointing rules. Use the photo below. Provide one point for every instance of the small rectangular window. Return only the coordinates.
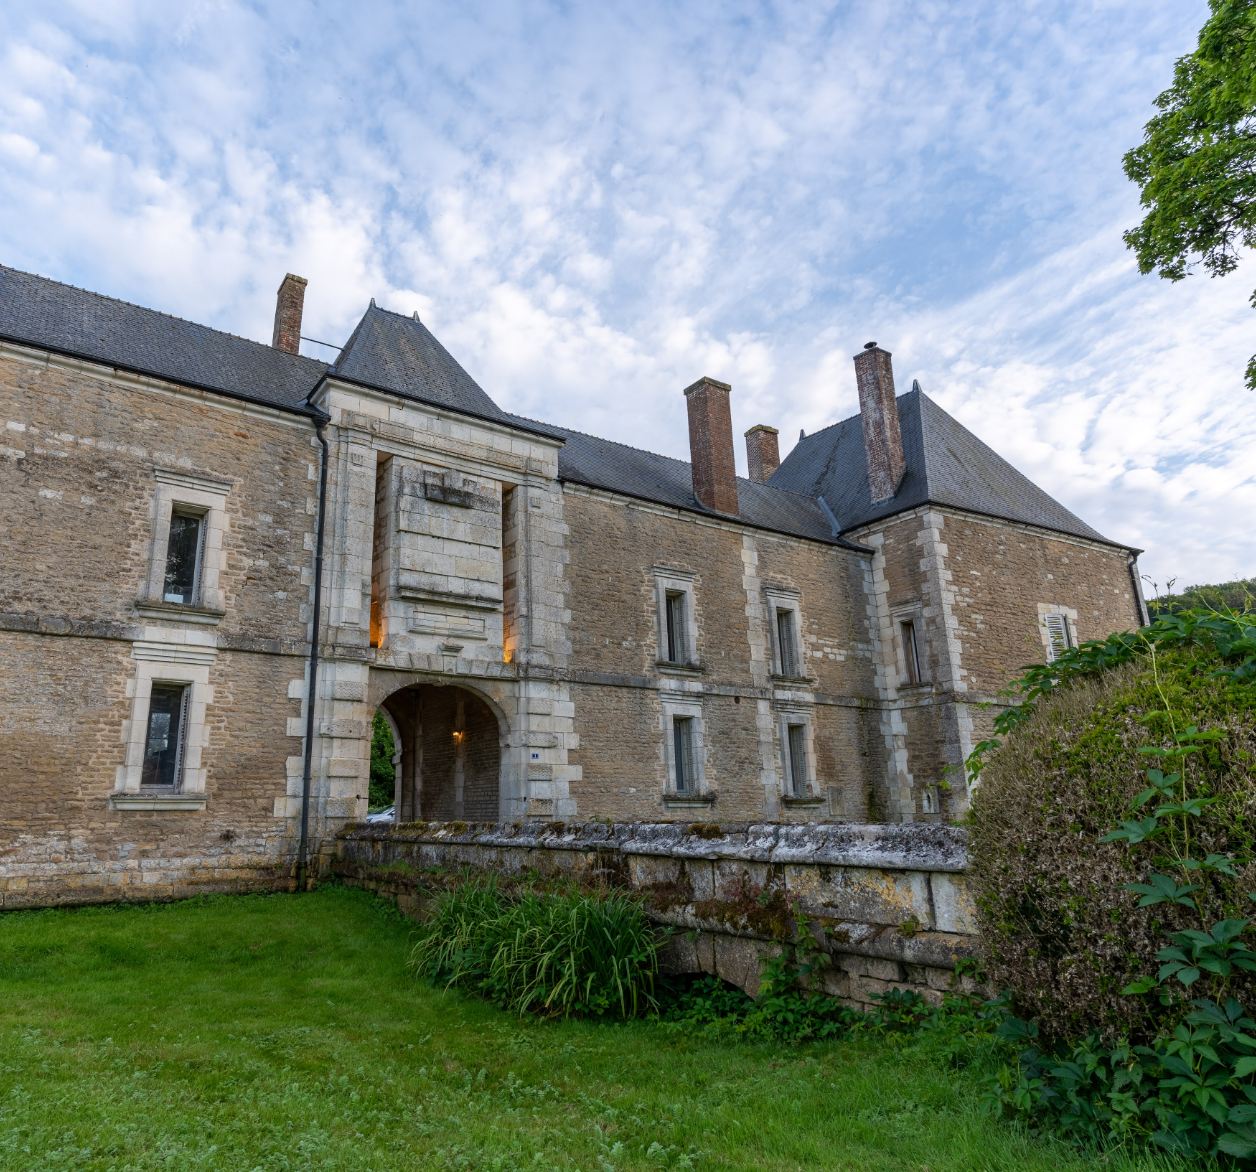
(183, 558)
(798, 759)
(911, 655)
(1059, 637)
(682, 748)
(677, 651)
(163, 746)
(787, 642)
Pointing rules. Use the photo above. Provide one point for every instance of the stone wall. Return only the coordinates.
(975, 590)
(734, 579)
(888, 905)
(89, 459)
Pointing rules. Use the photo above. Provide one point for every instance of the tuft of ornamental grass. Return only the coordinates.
(556, 955)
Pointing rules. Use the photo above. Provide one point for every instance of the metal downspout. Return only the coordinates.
(311, 691)
(1140, 604)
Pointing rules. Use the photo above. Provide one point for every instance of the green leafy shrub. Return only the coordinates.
(1059, 924)
(711, 1008)
(559, 955)
(785, 1011)
(1191, 1092)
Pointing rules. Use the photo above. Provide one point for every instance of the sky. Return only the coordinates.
(593, 205)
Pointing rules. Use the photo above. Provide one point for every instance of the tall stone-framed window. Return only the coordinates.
(1057, 628)
(165, 738)
(684, 751)
(785, 614)
(185, 559)
(909, 646)
(798, 781)
(677, 626)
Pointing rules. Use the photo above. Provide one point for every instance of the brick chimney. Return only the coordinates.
(288, 307)
(762, 452)
(711, 446)
(878, 409)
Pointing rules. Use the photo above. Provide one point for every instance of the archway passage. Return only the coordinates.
(450, 755)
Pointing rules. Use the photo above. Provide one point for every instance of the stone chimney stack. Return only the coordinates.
(878, 409)
(711, 446)
(762, 452)
(288, 307)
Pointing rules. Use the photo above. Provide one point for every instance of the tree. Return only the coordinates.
(1197, 162)
(382, 771)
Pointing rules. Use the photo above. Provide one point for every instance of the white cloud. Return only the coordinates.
(594, 205)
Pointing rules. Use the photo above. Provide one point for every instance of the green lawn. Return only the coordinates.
(283, 1033)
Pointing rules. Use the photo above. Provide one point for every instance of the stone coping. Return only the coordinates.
(917, 846)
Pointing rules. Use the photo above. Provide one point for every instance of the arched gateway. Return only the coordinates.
(451, 754)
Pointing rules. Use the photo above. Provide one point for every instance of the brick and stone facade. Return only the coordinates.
(556, 627)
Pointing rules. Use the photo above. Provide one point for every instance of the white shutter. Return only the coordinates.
(1058, 638)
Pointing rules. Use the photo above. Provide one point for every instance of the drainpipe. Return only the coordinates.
(1140, 604)
(320, 421)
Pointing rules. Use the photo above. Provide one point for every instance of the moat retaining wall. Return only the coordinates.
(888, 905)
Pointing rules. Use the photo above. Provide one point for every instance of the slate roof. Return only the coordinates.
(616, 467)
(391, 352)
(41, 312)
(946, 465)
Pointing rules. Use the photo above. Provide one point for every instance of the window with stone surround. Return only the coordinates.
(908, 646)
(1057, 627)
(797, 758)
(677, 629)
(189, 520)
(167, 734)
(684, 732)
(786, 630)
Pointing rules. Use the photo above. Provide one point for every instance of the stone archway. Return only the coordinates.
(450, 768)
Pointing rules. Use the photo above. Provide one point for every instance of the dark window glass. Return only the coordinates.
(165, 734)
(911, 655)
(798, 758)
(676, 628)
(682, 738)
(785, 637)
(182, 558)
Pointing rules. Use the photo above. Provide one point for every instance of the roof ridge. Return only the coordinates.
(395, 313)
(658, 455)
(160, 313)
(603, 439)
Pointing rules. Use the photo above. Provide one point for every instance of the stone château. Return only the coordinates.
(557, 627)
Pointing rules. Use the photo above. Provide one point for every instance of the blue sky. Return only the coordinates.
(593, 205)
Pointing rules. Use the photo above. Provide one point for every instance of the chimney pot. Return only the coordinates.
(711, 446)
(878, 411)
(288, 309)
(763, 454)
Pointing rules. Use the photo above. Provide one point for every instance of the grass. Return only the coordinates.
(282, 1032)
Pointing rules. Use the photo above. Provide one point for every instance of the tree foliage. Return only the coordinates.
(1239, 595)
(383, 772)
(1197, 162)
